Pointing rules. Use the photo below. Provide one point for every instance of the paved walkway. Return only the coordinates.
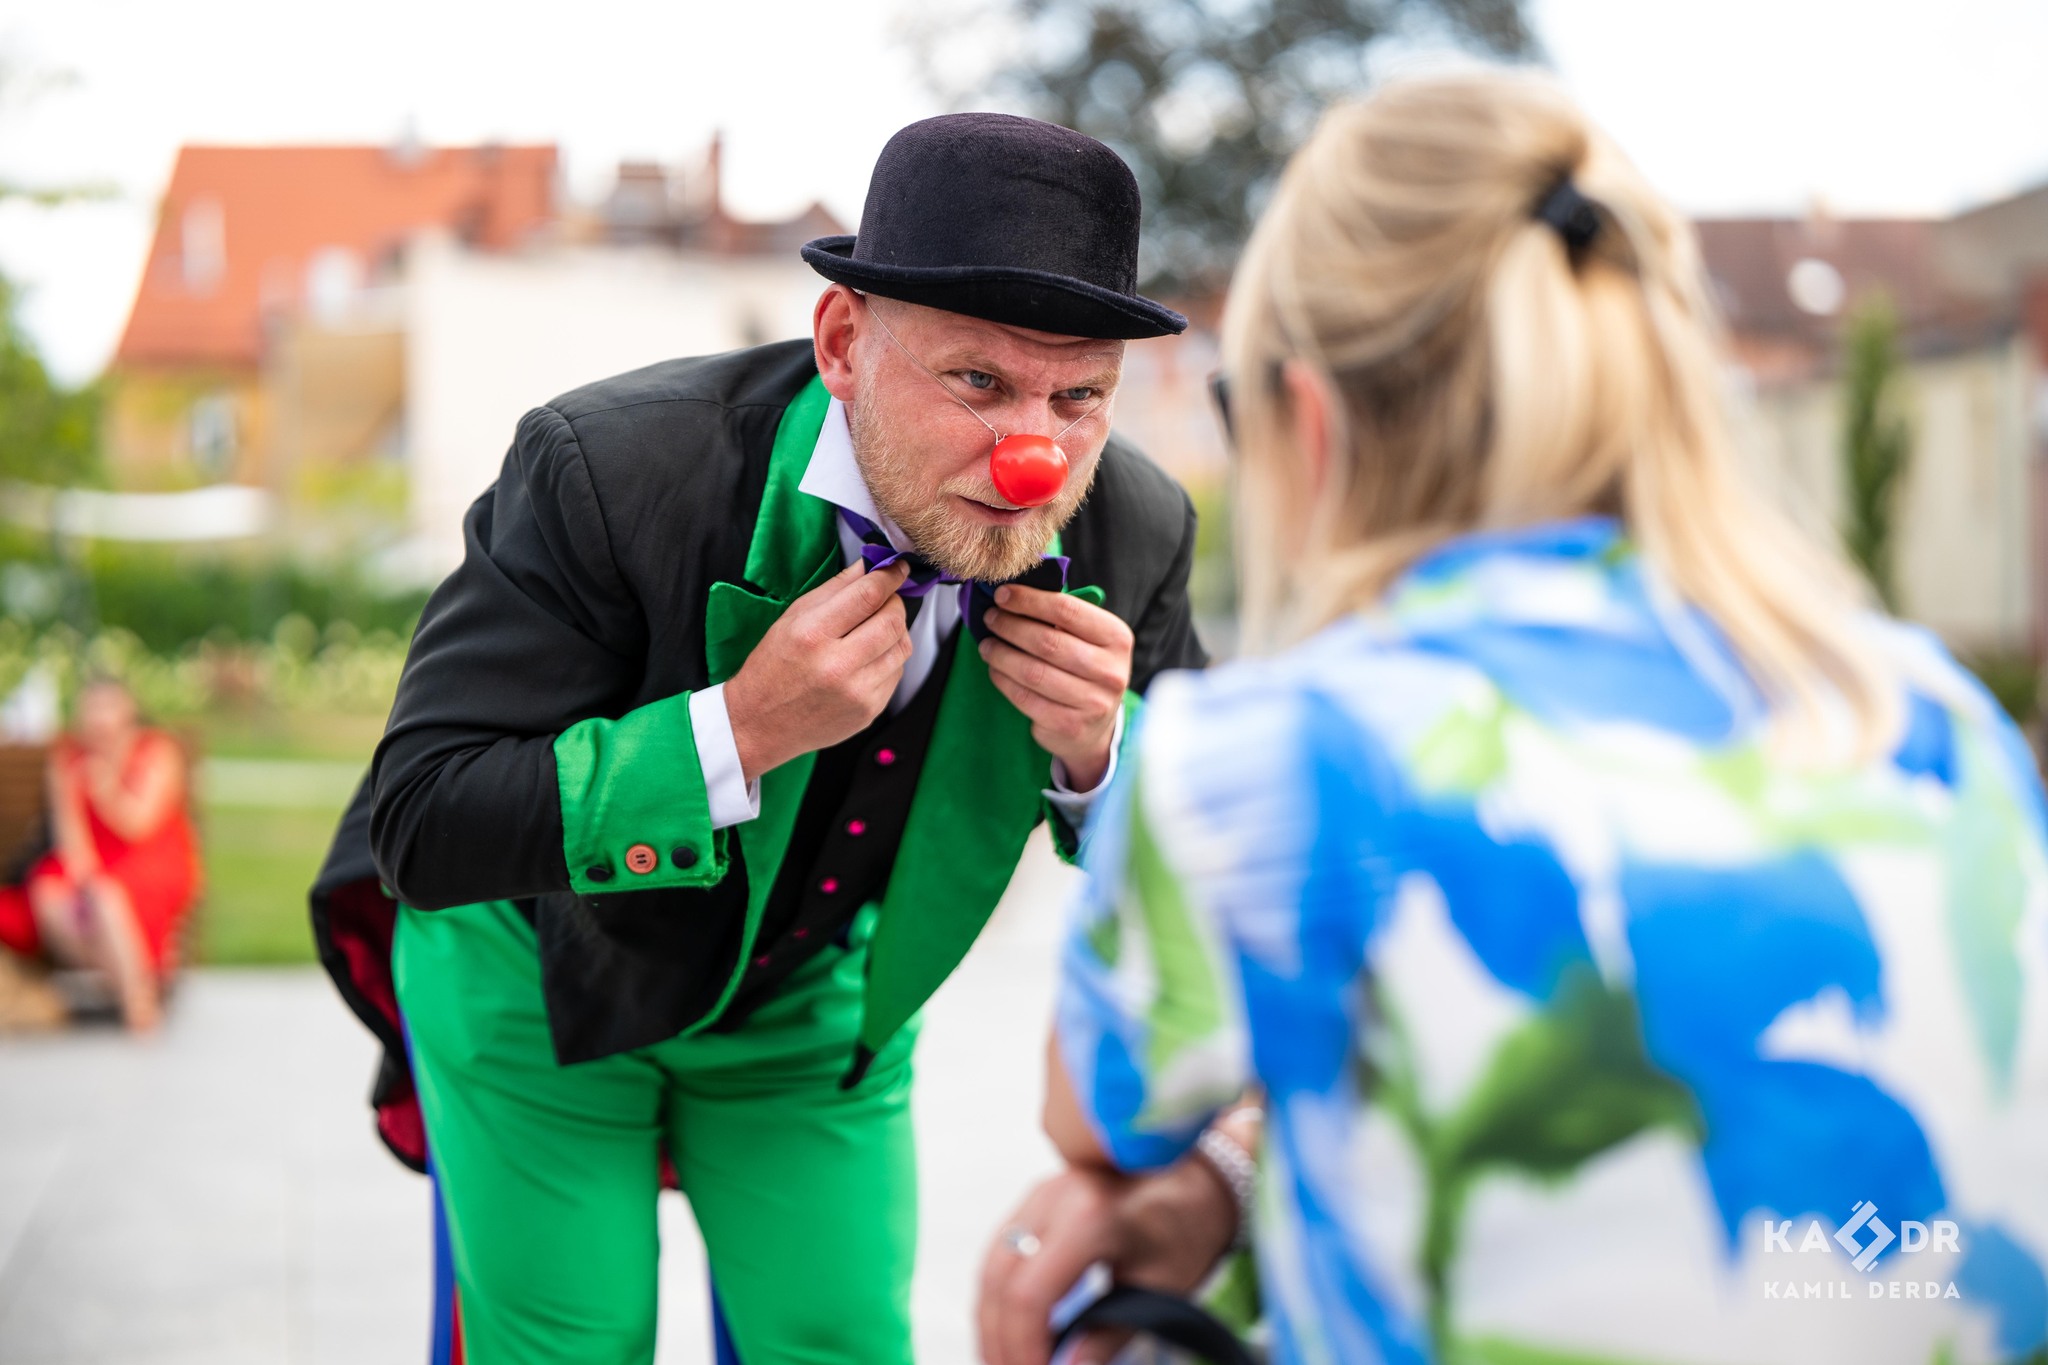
(215, 1196)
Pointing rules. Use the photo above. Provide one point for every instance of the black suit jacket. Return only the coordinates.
(582, 594)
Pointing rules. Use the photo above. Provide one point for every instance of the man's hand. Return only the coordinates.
(1066, 664)
(1163, 1231)
(823, 671)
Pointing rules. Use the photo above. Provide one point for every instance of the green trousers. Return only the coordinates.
(806, 1194)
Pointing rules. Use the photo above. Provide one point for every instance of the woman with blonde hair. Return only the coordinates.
(1640, 944)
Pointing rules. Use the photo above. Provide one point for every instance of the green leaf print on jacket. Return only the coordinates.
(1567, 1085)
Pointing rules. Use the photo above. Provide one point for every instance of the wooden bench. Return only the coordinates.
(23, 791)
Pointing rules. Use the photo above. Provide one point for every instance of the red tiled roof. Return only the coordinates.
(720, 232)
(239, 226)
(1750, 261)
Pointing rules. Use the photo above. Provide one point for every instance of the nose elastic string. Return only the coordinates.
(890, 332)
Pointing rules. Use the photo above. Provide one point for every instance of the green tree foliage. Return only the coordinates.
(1206, 98)
(48, 434)
(22, 84)
(1877, 443)
(172, 597)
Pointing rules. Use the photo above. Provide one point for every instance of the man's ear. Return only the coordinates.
(832, 332)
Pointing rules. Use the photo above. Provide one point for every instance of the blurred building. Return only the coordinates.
(266, 344)
(358, 329)
(1163, 404)
(659, 268)
(1971, 295)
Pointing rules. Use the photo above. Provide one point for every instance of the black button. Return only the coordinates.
(598, 874)
(682, 855)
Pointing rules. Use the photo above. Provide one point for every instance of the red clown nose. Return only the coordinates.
(1028, 471)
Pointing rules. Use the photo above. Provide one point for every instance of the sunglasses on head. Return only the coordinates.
(1219, 394)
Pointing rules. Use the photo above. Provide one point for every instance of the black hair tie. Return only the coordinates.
(1574, 217)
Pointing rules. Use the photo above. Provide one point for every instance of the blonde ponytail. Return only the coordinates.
(1489, 376)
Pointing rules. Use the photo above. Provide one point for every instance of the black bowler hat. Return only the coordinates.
(1004, 218)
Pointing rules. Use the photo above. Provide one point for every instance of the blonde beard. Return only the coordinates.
(964, 548)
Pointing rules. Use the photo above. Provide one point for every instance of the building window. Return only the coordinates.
(334, 281)
(203, 245)
(390, 444)
(211, 427)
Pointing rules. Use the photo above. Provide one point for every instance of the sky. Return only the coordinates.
(1731, 106)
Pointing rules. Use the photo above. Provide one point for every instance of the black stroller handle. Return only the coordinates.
(1173, 1321)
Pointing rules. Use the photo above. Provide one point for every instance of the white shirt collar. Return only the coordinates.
(834, 475)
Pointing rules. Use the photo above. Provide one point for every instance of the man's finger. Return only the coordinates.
(1036, 709)
(1070, 613)
(1047, 680)
(815, 600)
(1067, 652)
(884, 668)
(875, 636)
(858, 601)
(852, 573)
(1041, 711)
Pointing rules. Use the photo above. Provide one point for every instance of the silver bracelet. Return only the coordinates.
(1228, 1158)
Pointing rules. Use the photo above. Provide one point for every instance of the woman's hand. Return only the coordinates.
(1066, 1225)
(100, 778)
(158, 786)
(69, 830)
(1165, 1231)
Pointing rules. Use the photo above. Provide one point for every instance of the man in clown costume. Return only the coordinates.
(713, 757)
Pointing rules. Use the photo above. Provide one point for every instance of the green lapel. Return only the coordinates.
(795, 547)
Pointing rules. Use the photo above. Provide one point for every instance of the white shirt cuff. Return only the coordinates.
(1075, 805)
(732, 798)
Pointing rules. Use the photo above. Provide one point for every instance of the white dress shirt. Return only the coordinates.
(835, 476)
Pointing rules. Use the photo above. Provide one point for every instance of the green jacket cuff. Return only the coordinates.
(635, 816)
(1066, 840)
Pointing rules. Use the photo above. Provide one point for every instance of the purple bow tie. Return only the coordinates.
(877, 553)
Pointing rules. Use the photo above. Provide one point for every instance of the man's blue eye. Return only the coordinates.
(978, 379)
(1078, 395)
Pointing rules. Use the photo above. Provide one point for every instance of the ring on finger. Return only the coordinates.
(1021, 1241)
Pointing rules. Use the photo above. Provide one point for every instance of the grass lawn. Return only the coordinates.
(272, 790)
(259, 864)
(268, 733)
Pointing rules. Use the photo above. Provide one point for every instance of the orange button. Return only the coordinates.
(642, 858)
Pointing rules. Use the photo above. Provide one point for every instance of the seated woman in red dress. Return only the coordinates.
(124, 871)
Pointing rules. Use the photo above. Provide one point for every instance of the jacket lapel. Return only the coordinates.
(795, 547)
